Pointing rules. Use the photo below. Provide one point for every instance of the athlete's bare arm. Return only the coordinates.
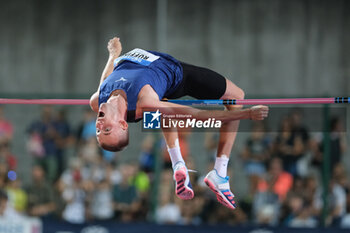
(258, 112)
(114, 48)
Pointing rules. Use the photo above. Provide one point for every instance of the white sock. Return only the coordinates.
(175, 153)
(221, 165)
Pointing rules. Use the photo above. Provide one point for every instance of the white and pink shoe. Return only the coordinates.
(183, 187)
(221, 187)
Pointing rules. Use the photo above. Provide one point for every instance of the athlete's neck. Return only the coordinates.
(119, 100)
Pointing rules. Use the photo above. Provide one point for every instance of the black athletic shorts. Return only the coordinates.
(200, 83)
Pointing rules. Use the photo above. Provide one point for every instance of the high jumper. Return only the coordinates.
(139, 80)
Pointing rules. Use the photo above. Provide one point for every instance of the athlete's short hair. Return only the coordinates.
(119, 146)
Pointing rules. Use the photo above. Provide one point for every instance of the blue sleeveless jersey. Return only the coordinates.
(138, 68)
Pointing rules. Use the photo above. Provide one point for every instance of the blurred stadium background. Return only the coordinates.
(287, 174)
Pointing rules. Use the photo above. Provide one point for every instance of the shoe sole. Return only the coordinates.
(181, 190)
(219, 196)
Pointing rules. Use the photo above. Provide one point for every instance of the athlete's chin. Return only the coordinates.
(102, 107)
(106, 109)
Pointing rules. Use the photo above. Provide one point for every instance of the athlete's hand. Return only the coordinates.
(259, 112)
(114, 47)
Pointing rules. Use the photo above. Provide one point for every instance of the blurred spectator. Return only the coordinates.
(17, 196)
(125, 196)
(168, 211)
(115, 174)
(140, 180)
(3, 202)
(6, 211)
(89, 152)
(256, 154)
(336, 203)
(337, 144)
(298, 187)
(87, 128)
(95, 170)
(190, 210)
(102, 201)
(276, 180)
(345, 221)
(300, 135)
(310, 189)
(300, 213)
(227, 216)
(147, 153)
(7, 157)
(58, 199)
(75, 185)
(102, 198)
(74, 171)
(211, 140)
(298, 128)
(74, 196)
(6, 128)
(63, 138)
(40, 194)
(291, 144)
(304, 219)
(294, 204)
(3, 175)
(340, 176)
(47, 140)
(266, 208)
(305, 188)
(271, 190)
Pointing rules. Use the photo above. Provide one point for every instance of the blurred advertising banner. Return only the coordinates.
(24, 225)
(112, 227)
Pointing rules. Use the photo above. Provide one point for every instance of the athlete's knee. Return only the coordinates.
(240, 93)
(237, 93)
(233, 91)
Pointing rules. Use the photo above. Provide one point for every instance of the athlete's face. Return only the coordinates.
(109, 128)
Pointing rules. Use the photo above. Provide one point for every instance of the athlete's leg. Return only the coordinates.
(172, 141)
(228, 131)
(183, 188)
(170, 136)
(203, 83)
(217, 179)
